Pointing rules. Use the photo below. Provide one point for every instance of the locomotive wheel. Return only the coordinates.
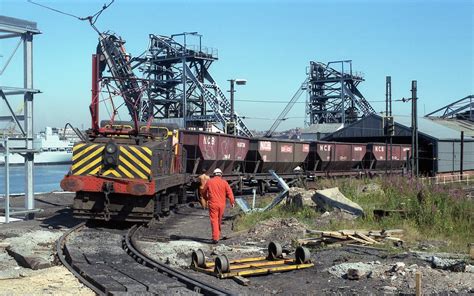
(222, 264)
(173, 200)
(165, 204)
(198, 258)
(274, 251)
(157, 213)
(302, 255)
(182, 197)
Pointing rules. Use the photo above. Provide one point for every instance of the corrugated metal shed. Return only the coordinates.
(372, 127)
(438, 129)
(449, 156)
(456, 124)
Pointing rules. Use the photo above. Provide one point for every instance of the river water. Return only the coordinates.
(46, 178)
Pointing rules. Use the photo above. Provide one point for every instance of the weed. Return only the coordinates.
(434, 213)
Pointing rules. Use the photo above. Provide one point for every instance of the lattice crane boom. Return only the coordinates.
(114, 56)
(287, 109)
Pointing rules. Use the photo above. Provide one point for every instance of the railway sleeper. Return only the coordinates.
(100, 278)
(154, 282)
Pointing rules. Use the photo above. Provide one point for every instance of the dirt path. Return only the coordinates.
(55, 280)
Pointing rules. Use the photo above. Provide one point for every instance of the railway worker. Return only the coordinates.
(216, 191)
(203, 178)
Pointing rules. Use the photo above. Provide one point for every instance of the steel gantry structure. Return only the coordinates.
(12, 28)
(333, 96)
(460, 109)
(175, 85)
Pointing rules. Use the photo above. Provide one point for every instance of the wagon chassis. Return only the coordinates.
(263, 181)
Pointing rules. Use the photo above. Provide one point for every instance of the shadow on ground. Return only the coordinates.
(60, 219)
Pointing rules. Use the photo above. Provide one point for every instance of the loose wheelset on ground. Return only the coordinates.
(221, 264)
(302, 255)
(274, 251)
(198, 258)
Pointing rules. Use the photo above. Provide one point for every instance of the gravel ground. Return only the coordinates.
(56, 280)
(36, 238)
(328, 277)
(175, 238)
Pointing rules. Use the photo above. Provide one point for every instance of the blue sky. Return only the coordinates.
(269, 43)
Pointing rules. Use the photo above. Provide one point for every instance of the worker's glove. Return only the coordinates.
(232, 205)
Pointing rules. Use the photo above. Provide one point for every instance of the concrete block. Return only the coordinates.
(333, 198)
(29, 261)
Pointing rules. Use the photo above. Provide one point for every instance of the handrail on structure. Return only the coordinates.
(446, 179)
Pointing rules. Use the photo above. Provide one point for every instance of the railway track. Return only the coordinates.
(109, 262)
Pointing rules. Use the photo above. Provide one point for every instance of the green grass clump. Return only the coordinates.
(439, 213)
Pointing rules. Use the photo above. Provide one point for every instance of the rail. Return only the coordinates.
(62, 257)
(191, 283)
(447, 179)
(129, 246)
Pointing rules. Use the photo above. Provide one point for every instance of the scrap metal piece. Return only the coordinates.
(277, 200)
(243, 205)
(281, 195)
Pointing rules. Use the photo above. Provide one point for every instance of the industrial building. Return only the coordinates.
(319, 131)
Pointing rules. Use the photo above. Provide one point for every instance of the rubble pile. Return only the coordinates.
(334, 216)
(282, 230)
(399, 276)
(300, 197)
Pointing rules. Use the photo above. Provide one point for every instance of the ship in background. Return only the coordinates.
(52, 149)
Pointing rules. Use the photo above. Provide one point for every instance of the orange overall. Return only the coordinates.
(216, 190)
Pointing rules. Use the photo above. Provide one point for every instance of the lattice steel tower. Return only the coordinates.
(179, 85)
(333, 96)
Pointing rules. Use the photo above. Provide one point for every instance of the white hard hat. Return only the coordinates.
(217, 171)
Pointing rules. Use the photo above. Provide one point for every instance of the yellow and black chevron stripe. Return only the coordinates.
(87, 158)
(134, 161)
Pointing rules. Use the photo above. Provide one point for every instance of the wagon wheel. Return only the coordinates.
(196, 194)
(302, 255)
(274, 250)
(222, 264)
(198, 258)
(261, 188)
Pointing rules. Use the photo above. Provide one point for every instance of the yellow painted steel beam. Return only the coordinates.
(242, 260)
(259, 264)
(251, 259)
(260, 271)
